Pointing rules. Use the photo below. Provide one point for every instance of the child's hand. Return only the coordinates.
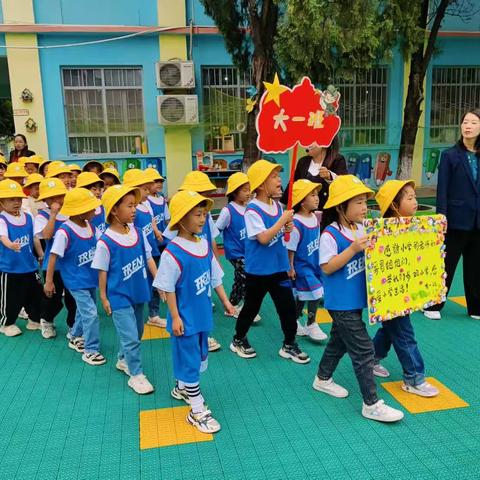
(292, 274)
(159, 236)
(324, 172)
(106, 306)
(360, 244)
(15, 246)
(289, 227)
(49, 288)
(55, 207)
(229, 308)
(287, 217)
(177, 326)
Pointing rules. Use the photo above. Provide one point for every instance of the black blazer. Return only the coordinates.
(25, 153)
(458, 194)
(337, 165)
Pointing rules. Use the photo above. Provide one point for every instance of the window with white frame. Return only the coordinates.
(363, 108)
(103, 109)
(224, 114)
(455, 90)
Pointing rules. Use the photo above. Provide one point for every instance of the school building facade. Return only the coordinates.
(112, 80)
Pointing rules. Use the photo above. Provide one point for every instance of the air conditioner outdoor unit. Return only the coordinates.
(175, 75)
(177, 109)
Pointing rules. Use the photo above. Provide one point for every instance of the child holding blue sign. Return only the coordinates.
(342, 261)
(397, 198)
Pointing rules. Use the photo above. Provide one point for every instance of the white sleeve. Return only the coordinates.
(39, 225)
(60, 242)
(148, 247)
(168, 273)
(328, 248)
(3, 228)
(253, 224)
(101, 259)
(217, 273)
(213, 228)
(166, 212)
(292, 244)
(98, 233)
(148, 205)
(223, 220)
(170, 234)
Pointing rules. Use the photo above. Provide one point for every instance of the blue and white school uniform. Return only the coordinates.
(231, 222)
(19, 282)
(143, 220)
(99, 221)
(124, 257)
(191, 271)
(305, 241)
(345, 289)
(75, 248)
(161, 214)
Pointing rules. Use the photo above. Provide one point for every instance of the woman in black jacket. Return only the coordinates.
(20, 148)
(321, 165)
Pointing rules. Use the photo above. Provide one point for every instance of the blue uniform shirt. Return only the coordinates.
(49, 242)
(234, 235)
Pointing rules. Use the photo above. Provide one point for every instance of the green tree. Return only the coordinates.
(249, 28)
(7, 126)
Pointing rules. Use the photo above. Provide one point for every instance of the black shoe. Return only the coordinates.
(242, 348)
(294, 353)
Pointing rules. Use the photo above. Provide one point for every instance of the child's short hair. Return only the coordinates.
(331, 215)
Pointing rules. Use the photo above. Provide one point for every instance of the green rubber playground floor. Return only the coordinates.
(62, 419)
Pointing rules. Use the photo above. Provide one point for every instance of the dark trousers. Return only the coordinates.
(279, 286)
(349, 335)
(312, 307)
(239, 281)
(19, 290)
(51, 307)
(399, 333)
(460, 243)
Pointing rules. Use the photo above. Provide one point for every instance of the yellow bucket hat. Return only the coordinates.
(345, 187)
(111, 171)
(136, 177)
(182, 202)
(301, 188)
(15, 170)
(11, 189)
(74, 167)
(236, 181)
(36, 159)
(388, 191)
(51, 187)
(153, 173)
(2, 160)
(32, 179)
(259, 172)
(115, 193)
(57, 168)
(197, 181)
(86, 179)
(91, 163)
(78, 201)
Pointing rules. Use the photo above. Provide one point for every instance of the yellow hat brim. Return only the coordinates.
(110, 172)
(120, 193)
(186, 207)
(54, 192)
(260, 178)
(345, 196)
(387, 193)
(237, 184)
(296, 199)
(198, 187)
(85, 207)
(33, 181)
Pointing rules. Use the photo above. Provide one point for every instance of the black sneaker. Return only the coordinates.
(294, 353)
(242, 348)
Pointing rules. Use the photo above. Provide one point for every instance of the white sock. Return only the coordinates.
(181, 385)
(195, 396)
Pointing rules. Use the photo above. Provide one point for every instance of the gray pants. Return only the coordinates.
(349, 335)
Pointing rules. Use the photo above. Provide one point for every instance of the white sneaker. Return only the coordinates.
(23, 314)
(48, 329)
(432, 315)
(139, 384)
(424, 389)
(380, 371)
(257, 318)
(157, 322)
(330, 387)
(122, 366)
(301, 330)
(475, 317)
(203, 421)
(213, 345)
(381, 412)
(10, 331)
(238, 309)
(95, 358)
(315, 332)
(31, 325)
(180, 394)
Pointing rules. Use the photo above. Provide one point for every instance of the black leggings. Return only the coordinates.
(312, 306)
(52, 306)
(279, 286)
(239, 281)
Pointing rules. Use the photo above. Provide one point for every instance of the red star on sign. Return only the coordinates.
(302, 115)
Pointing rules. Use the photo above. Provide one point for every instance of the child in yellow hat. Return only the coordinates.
(72, 251)
(31, 188)
(60, 170)
(122, 258)
(31, 164)
(110, 177)
(19, 281)
(75, 171)
(266, 262)
(3, 167)
(16, 172)
(47, 223)
(342, 261)
(303, 254)
(188, 271)
(231, 223)
(397, 198)
(92, 182)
